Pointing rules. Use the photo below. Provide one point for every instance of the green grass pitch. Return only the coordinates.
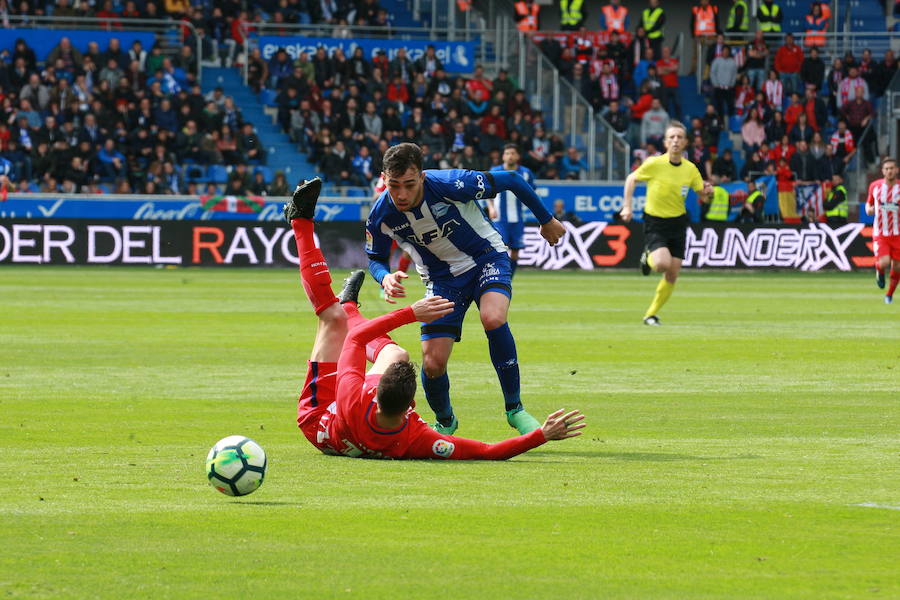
(749, 448)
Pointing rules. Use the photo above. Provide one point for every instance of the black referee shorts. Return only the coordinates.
(662, 232)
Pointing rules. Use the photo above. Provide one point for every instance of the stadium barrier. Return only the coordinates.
(587, 246)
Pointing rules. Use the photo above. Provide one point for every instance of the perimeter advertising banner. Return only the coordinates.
(152, 208)
(457, 57)
(589, 246)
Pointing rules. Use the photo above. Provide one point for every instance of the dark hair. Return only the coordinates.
(888, 159)
(397, 388)
(400, 158)
(511, 147)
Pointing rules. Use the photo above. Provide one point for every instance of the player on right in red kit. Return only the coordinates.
(884, 202)
(344, 410)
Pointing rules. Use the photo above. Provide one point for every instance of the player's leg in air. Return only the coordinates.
(337, 314)
(660, 260)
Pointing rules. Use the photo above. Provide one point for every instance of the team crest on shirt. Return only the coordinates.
(684, 191)
(370, 243)
(443, 448)
(439, 209)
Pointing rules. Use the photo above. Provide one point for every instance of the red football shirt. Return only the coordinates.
(350, 428)
(886, 200)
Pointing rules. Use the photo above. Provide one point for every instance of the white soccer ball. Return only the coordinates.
(236, 465)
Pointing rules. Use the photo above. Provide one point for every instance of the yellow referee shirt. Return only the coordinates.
(668, 185)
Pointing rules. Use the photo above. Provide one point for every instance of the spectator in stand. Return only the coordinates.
(667, 67)
(788, 61)
(812, 69)
(801, 130)
(757, 55)
(743, 96)
(573, 165)
(782, 150)
(724, 168)
(769, 16)
(713, 125)
(815, 109)
(616, 116)
(753, 131)
(562, 215)
(884, 72)
(835, 77)
(804, 165)
(774, 90)
(755, 166)
(816, 26)
(614, 17)
(723, 76)
(858, 114)
(653, 124)
(787, 199)
(776, 128)
(851, 87)
(793, 111)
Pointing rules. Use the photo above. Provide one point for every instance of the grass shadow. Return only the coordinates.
(652, 456)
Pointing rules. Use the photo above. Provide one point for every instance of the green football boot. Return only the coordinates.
(521, 421)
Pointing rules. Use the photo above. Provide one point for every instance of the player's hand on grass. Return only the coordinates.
(392, 286)
(552, 231)
(431, 308)
(559, 426)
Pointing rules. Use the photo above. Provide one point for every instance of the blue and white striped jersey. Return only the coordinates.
(446, 233)
(509, 207)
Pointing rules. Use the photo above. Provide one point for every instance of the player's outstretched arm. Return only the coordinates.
(558, 426)
(551, 229)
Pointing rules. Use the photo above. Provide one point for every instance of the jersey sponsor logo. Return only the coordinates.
(479, 178)
(439, 209)
(397, 228)
(489, 270)
(429, 236)
(443, 448)
(459, 184)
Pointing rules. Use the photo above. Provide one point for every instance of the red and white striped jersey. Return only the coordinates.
(886, 200)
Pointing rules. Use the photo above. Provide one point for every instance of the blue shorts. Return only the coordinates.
(512, 233)
(493, 273)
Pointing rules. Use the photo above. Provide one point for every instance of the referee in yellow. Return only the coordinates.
(669, 177)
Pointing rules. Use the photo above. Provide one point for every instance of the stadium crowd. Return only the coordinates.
(789, 113)
(132, 120)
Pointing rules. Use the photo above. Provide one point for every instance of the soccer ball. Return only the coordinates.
(236, 465)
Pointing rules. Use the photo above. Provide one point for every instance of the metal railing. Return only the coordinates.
(167, 31)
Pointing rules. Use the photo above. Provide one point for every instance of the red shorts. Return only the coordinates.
(318, 392)
(887, 246)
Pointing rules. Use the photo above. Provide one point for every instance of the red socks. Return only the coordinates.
(403, 264)
(895, 278)
(313, 269)
(354, 319)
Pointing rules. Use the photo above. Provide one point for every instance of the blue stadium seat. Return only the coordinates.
(355, 192)
(195, 173)
(266, 171)
(217, 174)
(267, 97)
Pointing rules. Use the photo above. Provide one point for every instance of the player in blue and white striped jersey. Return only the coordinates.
(435, 217)
(505, 210)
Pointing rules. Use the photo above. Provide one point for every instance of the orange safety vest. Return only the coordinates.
(705, 20)
(615, 19)
(528, 17)
(463, 5)
(814, 30)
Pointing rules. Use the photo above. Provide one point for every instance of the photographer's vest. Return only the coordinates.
(744, 25)
(527, 15)
(841, 209)
(719, 206)
(615, 17)
(570, 12)
(768, 23)
(705, 20)
(649, 18)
